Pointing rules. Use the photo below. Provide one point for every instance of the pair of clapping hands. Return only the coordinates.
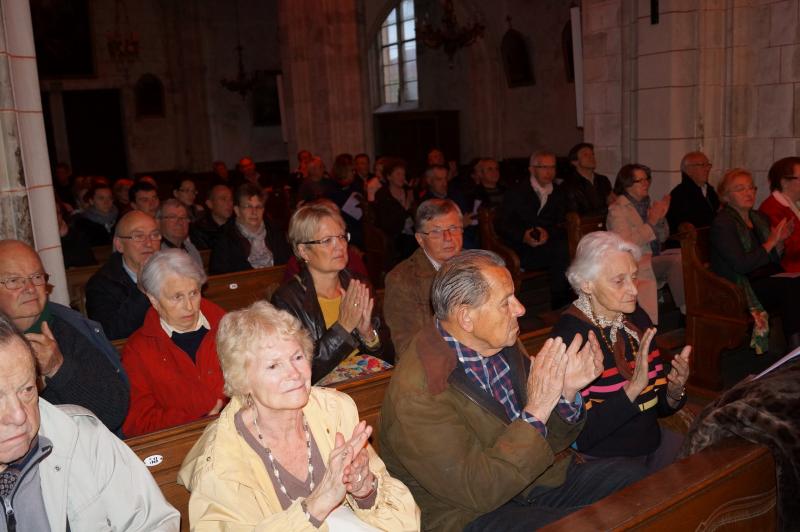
(559, 371)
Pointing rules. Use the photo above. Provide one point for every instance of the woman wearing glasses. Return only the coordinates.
(642, 222)
(746, 250)
(782, 203)
(335, 307)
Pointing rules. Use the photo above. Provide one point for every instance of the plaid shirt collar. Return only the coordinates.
(491, 374)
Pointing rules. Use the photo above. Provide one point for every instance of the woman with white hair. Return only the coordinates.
(284, 455)
(624, 403)
(172, 359)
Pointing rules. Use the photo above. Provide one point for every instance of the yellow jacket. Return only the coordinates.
(231, 490)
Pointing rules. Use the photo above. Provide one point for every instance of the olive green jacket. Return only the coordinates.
(454, 446)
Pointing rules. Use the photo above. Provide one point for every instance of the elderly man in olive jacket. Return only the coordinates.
(476, 429)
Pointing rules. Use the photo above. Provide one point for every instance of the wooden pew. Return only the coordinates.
(534, 340)
(378, 252)
(728, 486)
(233, 291)
(578, 227)
(492, 242)
(205, 255)
(165, 450)
(102, 253)
(76, 285)
(716, 309)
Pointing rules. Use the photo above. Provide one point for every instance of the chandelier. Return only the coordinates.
(449, 36)
(123, 44)
(243, 83)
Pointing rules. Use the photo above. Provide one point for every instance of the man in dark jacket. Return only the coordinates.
(586, 191)
(251, 241)
(476, 430)
(531, 222)
(112, 297)
(76, 363)
(694, 200)
(205, 231)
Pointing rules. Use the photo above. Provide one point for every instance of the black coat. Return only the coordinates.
(519, 213)
(205, 231)
(331, 346)
(232, 248)
(585, 198)
(114, 300)
(688, 204)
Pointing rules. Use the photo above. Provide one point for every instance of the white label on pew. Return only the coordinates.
(233, 286)
(154, 460)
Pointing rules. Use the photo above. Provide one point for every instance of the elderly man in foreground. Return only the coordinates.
(407, 305)
(60, 468)
(475, 428)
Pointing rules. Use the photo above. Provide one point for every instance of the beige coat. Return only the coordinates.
(231, 490)
(407, 303)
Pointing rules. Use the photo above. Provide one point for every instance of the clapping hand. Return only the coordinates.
(583, 365)
(678, 375)
(640, 378)
(546, 379)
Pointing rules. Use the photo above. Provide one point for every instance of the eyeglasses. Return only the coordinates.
(179, 219)
(642, 180)
(155, 236)
(750, 188)
(15, 283)
(703, 165)
(438, 234)
(188, 190)
(545, 166)
(329, 240)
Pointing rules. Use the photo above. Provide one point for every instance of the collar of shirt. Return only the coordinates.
(201, 322)
(131, 273)
(704, 189)
(542, 191)
(436, 265)
(781, 198)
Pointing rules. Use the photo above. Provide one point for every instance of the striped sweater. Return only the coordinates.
(615, 426)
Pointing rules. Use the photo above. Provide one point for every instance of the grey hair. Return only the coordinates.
(591, 255)
(460, 281)
(171, 202)
(166, 262)
(9, 331)
(690, 155)
(433, 208)
(538, 154)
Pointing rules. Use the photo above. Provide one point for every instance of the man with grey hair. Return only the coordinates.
(693, 200)
(407, 305)
(475, 428)
(60, 468)
(173, 219)
(531, 222)
(75, 361)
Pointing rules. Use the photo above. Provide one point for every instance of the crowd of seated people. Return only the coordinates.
(597, 387)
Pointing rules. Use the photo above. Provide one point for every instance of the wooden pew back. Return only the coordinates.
(578, 227)
(165, 450)
(716, 309)
(76, 285)
(233, 291)
(491, 241)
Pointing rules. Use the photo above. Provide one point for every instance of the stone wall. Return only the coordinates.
(716, 75)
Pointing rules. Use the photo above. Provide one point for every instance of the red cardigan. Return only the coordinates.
(791, 246)
(167, 389)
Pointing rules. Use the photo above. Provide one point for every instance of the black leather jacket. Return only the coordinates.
(331, 346)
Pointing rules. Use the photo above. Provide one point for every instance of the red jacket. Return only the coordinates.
(167, 389)
(791, 246)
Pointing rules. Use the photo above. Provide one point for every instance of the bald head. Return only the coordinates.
(21, 298)
(696, 165)
(137, 237)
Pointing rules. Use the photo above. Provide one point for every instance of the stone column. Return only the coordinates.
(322, 77)
(27, 204)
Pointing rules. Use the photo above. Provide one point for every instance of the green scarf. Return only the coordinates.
(46, 315)
(760, 339)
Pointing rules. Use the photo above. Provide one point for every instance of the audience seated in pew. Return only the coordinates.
(185, 191)
(746, 251)
(347, 194)
(622, 405)
(251, 240)
(75, 247)
(531, 222)
(476, 429)
(173, 219)
(61, 468)
(637, 219)
(97, 222)
(407, 305)
(335, 307)
(693, 200)
(782, 203)
(143, 196)
(76, 363)
(586, 192)
(172, 359)
(205, 231)
(394, 211)
(285, 455)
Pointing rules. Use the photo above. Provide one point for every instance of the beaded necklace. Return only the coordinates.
(272, 460)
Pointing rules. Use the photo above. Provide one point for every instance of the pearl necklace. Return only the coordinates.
(273, 462)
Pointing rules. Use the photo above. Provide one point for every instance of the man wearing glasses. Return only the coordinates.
(531, 222)
(694, 200)
(173, 217)
(407, 305)
(76, 364)
(112, 296)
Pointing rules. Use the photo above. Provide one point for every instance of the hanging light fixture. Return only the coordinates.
(449, 36)
(244, 82)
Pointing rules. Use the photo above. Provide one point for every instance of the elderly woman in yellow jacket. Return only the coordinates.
(284, 455)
